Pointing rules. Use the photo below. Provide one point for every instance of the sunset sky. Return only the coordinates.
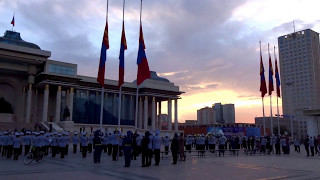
(210, 48)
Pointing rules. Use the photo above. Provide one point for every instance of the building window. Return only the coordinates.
(63, 70)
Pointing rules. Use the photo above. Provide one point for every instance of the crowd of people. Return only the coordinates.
(149, 145)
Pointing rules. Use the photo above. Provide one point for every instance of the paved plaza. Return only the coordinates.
(294, 166)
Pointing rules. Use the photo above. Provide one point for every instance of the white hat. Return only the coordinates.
(17, 134)
(41, 132)
(75, 133)
(22, 134)
(83, 133)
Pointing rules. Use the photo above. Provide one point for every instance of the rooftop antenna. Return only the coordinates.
(294, 27)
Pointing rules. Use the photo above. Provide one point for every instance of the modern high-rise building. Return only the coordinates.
(205, 116)
(228, 113)
(299, 57)
(218, 112)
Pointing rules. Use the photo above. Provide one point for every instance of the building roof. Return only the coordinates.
(154, 76)
(14, 38)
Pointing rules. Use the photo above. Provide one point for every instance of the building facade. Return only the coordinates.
(217, 114)
(299, 57)
(35, 90)
(205, 116)
(228, 113)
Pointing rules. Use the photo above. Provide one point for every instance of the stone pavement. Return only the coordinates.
(264, 167)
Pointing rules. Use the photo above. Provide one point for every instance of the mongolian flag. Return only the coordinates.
(142, 62)
(277, 78)
(263, 85)
(123, 47)
(12, 21)
(103, 56)
(270, 76)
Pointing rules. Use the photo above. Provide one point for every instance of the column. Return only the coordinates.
(169, 114)
(45, 103)
(71, 102)
(153, 114)
(114, 105)
(58, 105)
(132, 110)
(23, 107)
(123, 108)
(35, 106)
(140, 113)
(176, 115)
(28, 110)
(145, 113)
(159, 115)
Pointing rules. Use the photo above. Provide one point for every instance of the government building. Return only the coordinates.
(36, 91)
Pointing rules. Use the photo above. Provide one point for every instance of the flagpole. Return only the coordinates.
(119, 112)
(102, 88)
(101, 107)
(271, 121)
(264, 120)
(136, 115)
(275, 58)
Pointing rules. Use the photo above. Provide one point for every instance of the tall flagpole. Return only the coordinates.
(271, 123)
(137, 93)
(274, 50)
(120, 96)
(264, 120)
(102, 89)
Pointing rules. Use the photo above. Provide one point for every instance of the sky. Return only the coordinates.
(209, 48)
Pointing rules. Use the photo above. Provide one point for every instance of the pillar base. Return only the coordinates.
(66, 125)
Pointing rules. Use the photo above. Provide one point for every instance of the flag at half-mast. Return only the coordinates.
(12, 21)
(277, 77)
(142, 62)
(123, 47)
(263, 85)
(270, 74)
(103, 56)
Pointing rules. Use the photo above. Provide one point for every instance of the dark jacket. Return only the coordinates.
(174, 144)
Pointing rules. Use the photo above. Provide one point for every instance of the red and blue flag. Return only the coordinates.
(263, 85)
(277, 78)
(103, 56)
(123, 47)
(270, 75)
(12, 21)
(142, 61)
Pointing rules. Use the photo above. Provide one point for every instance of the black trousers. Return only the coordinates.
(109, 149)
(105, 148)
(84, 151)
(114, 152)
(26, 149)
(9, 151)
(62, 152)
(157, 156)
(166, 149)
(75, 148)
(145, 157)
(307, 149)
(312, 150)
(54, 151)
(16, 152)
(174, 156)
(97, 154)
(89, 148)
(150, 153)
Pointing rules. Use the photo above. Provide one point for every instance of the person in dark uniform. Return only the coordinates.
(127, 148)
(144, 149)
(306, 145)
(97, 146)
(134, 146)
(175, 148)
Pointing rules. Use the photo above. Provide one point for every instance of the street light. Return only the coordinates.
(291, 124)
